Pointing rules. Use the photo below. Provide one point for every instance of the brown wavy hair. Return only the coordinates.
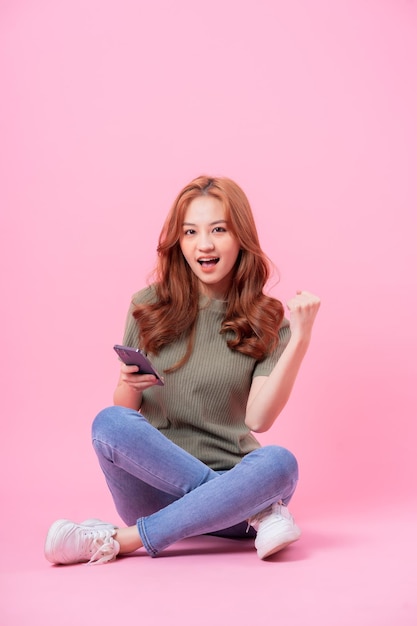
(252, 318)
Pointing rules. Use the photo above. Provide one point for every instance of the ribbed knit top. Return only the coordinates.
(202, 405)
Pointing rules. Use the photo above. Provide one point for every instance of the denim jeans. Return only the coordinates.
(172, 495)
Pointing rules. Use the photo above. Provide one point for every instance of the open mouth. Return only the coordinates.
(208, 262)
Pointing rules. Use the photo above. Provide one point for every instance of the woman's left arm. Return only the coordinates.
(269, 394)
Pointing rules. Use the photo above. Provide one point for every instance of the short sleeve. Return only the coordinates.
(131, 333)
(265, 367)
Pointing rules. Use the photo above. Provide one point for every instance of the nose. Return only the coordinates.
(205, 242)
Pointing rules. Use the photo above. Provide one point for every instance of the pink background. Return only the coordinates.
(107, 110)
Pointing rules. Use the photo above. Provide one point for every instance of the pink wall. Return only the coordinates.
(108, 109)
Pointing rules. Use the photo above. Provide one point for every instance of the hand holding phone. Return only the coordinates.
(133, 356)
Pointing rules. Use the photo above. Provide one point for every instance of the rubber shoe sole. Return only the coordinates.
(270, 546)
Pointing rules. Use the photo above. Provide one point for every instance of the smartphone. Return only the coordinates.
(133, 356)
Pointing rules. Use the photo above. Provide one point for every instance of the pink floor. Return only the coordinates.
(354, 567)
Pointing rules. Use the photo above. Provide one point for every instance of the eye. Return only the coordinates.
(189, 231)
(219, 229)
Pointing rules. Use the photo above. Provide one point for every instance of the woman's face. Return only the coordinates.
(209, 246)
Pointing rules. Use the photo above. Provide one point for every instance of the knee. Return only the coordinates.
(113, 422)
(104, 422)
(281, 460)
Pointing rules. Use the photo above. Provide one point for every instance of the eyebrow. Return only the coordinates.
(211, 223)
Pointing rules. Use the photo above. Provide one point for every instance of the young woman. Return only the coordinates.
(180, 460)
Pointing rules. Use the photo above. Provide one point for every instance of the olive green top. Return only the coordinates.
(202, 405)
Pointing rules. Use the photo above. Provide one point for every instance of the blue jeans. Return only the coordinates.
(172, 495)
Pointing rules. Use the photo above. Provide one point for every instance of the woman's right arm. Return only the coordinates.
(130, 386)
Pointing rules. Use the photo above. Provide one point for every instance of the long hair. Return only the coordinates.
(252, 318)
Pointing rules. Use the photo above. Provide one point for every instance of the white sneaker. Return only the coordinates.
(275, 530)
(89, 542)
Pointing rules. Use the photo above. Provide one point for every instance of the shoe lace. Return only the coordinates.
(255, 520)
(102, 547)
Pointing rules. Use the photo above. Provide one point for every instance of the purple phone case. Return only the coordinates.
(132, 356)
